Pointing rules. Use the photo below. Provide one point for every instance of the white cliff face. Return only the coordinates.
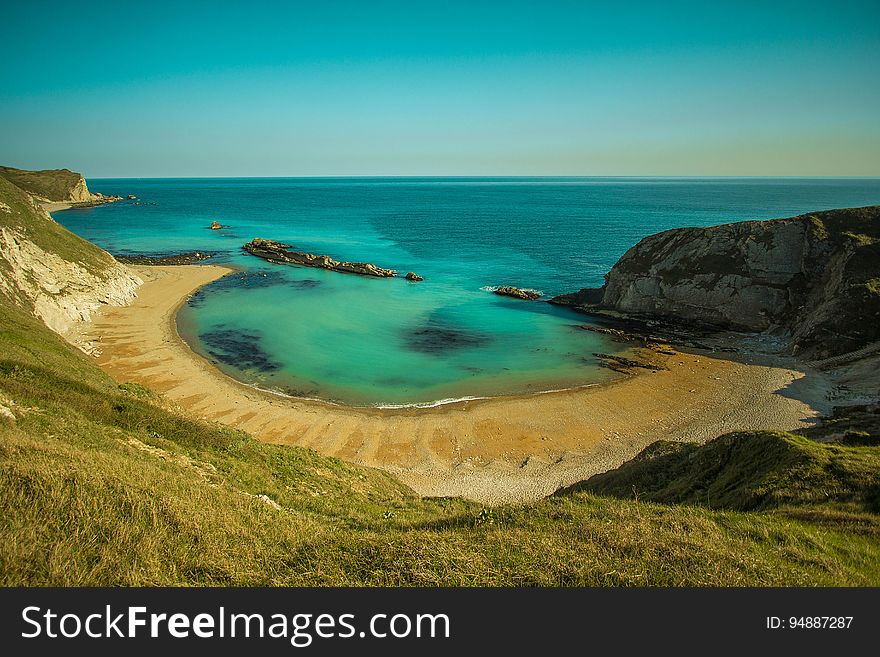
(80, 191)
(45, 269)
(60, 292)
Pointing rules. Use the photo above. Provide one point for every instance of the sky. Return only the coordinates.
(165, 89)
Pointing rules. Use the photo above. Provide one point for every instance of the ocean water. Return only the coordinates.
(369, 341)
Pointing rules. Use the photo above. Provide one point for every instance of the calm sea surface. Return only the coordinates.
(367, 341)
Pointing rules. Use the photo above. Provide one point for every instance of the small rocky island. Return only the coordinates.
(517, 293)
(281, 253)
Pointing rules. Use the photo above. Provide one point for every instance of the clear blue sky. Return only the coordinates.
(458, 88)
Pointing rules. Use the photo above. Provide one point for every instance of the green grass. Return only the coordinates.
(53, 184)
(751, 471)
(103, 484)
(46, 233)
(861, 239)
(83, 502)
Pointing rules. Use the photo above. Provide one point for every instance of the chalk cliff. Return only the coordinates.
(50, 184)
(48, 270)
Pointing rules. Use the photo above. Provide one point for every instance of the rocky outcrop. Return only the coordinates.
(412, 276)
(624, 365)
(59, 277)
(281, 253)
(97, 199)
(814, 278)
(516, 293)
(588, 296)
(79, 192)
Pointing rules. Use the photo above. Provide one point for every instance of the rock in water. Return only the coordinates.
(584, 297)
(164, 259)
(517, 293)
(215, 225)
(281, 253)
(412, 276)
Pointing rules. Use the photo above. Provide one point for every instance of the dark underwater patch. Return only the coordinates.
(397, 381)
(240, 349)
(196, 300)
(306, 283)
(247, 279)
(440, 339)
(310, 393)
(188, 258)
(251, 280)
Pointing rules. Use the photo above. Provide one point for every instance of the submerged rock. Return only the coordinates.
(280, 253)
(164, 259)
(621, 364)
(439, 339)
(241, 349)
(617, 334)
(305, 284)
(584, 297)
(517, 293)
(412, 276)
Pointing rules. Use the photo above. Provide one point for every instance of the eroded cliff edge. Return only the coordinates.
(814, 279)
(55, 185)
(48, 270)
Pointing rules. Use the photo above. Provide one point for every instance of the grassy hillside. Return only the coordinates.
(21, 215)
(100, 484)
(52, 184)
(748, 471)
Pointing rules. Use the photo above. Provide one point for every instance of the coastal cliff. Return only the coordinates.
(814, 279)
(54, 185)
(47, 270)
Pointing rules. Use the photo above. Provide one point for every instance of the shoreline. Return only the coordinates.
(493, 450)
(58, 206)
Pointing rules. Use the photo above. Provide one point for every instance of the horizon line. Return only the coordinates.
(485, 176)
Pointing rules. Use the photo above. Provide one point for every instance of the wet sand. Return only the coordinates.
(506, 449)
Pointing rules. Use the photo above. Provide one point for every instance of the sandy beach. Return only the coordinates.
(498, 450)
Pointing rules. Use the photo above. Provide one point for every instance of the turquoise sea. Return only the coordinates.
(370, 341)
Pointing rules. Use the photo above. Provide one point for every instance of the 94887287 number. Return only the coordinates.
(809, 622)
